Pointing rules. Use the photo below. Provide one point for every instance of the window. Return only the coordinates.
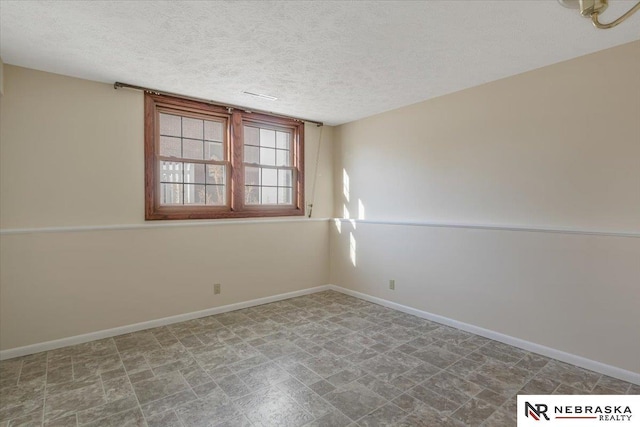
(207, 161)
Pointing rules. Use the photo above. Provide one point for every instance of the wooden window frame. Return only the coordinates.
(234, 159)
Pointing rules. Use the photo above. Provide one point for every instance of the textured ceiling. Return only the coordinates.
(328, 61)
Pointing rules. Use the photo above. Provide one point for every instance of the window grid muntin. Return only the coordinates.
(182, 160)
(250, 188)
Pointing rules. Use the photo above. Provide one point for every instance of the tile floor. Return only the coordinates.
(325, 359)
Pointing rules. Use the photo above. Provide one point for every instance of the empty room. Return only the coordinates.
(319, 213)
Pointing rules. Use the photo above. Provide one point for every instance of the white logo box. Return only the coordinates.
(578, 410)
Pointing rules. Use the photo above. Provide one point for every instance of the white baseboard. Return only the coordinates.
(573, 359)
(106, 333)
(612, 371)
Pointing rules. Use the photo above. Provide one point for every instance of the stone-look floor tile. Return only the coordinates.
(493, 384)
(464, 367)
(382, 388)
(533, 362)
(168, 403)
(27, 421)
(135, 364)
(66, 403)
(57, 388)
(634, 389)
(474, 412)
(332, 419)
(117, 388)
(327, 365)
(310, 401)
(263, 376)
(195, 375)
(159, 387)
(485, 353)
(248, 363)
(426, 416)
(233, 386)
(69, 421)
(540, 385)
(495, 398)
(384, 367)
(141, 375)
(322, 387)
(388, 415)
(109, 375)
(202, 412)
(96, 366)
(452, 387)
(165, 419)
(433, 399)
(206, 389)
(99, 412)
(620, 387)
(272, 407)
(302, 373)
(20, 401)
(63, 374)
(355, 400)
(575, 377)
(437, 356)
(288, 354)
(346, 376)
(505, 373)
(130, 418)
(500, 418)
(407, 403)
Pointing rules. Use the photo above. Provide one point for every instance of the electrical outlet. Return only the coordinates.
(392, 285)
(216, 288)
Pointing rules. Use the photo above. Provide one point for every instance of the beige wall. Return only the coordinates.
(71, 154)
(558, 147)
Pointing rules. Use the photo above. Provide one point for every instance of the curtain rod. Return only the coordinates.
(118, 85)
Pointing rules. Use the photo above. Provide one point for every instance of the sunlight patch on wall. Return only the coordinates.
(345, 184)
(352, 249)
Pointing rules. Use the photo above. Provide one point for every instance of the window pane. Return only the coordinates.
(171, 194)
(193, 173)
(192, 128)
(285, 177)
(251, 136)
(283, 140)
(216, 174)
(192, 149)
(216, 195)
(169, 125)
(170, 171)
(267, 138)
(268, 156)
(213, 151)
(213, 131)
(269, 195)
(170, 146)
(251, 154)
(270, 177)
(285, 196)
(251, 195)
(283, 157)
(194, 194)
(251, 176)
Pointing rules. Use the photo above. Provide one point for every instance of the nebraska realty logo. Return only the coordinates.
(578, 410)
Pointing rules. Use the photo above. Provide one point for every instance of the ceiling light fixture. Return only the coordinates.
(593, 8)
(259, 95)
